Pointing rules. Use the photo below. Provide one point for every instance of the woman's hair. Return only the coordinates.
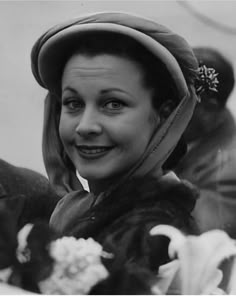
(155, 74)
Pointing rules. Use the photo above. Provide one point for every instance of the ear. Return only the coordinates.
(166, 109)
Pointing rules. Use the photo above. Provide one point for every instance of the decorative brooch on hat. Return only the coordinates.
(207, 80)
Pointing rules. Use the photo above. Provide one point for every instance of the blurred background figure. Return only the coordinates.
(26, 193)
(211, 159)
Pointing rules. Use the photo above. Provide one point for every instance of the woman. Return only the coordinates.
(121, 92)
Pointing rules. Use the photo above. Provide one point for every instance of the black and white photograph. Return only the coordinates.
(118, 147)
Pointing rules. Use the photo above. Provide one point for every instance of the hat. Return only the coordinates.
(51, 49)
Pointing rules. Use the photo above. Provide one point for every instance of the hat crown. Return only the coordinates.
(173, 43)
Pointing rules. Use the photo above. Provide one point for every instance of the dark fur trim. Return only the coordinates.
(122, 224)
(139, 197)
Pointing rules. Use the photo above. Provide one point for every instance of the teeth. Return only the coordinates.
(93, 151)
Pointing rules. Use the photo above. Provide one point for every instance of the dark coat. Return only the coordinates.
(27, 193)
(121, 223)
(211, 166)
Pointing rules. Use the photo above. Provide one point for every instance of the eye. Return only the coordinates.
(114, 105)
(73, 104)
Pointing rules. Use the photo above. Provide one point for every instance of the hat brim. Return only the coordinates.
(57, 49)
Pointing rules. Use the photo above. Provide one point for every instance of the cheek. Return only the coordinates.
(135, 131)
(65, 129)
(154, 120)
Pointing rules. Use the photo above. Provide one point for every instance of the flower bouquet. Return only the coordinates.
(36, 260)
(77, 266)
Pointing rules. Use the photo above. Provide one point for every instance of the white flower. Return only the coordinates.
(77, 266)
(22, 252)
(199, 260)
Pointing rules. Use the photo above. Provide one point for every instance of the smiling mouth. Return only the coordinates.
(93, 151)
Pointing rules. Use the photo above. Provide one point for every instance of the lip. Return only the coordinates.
(92, 151)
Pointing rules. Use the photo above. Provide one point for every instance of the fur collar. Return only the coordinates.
(140, 194)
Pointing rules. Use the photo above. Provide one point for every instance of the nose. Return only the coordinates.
(88, 124)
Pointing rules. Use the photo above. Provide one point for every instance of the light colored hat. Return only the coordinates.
(50, 51)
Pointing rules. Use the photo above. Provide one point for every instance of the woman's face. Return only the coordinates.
(107, 117)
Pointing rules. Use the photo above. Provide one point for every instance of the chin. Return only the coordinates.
(98, 174)
(93, 175)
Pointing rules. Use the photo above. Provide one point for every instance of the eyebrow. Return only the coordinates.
(103, 91)
(68, 88)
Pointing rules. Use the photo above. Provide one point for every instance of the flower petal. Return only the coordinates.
(177, 239)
